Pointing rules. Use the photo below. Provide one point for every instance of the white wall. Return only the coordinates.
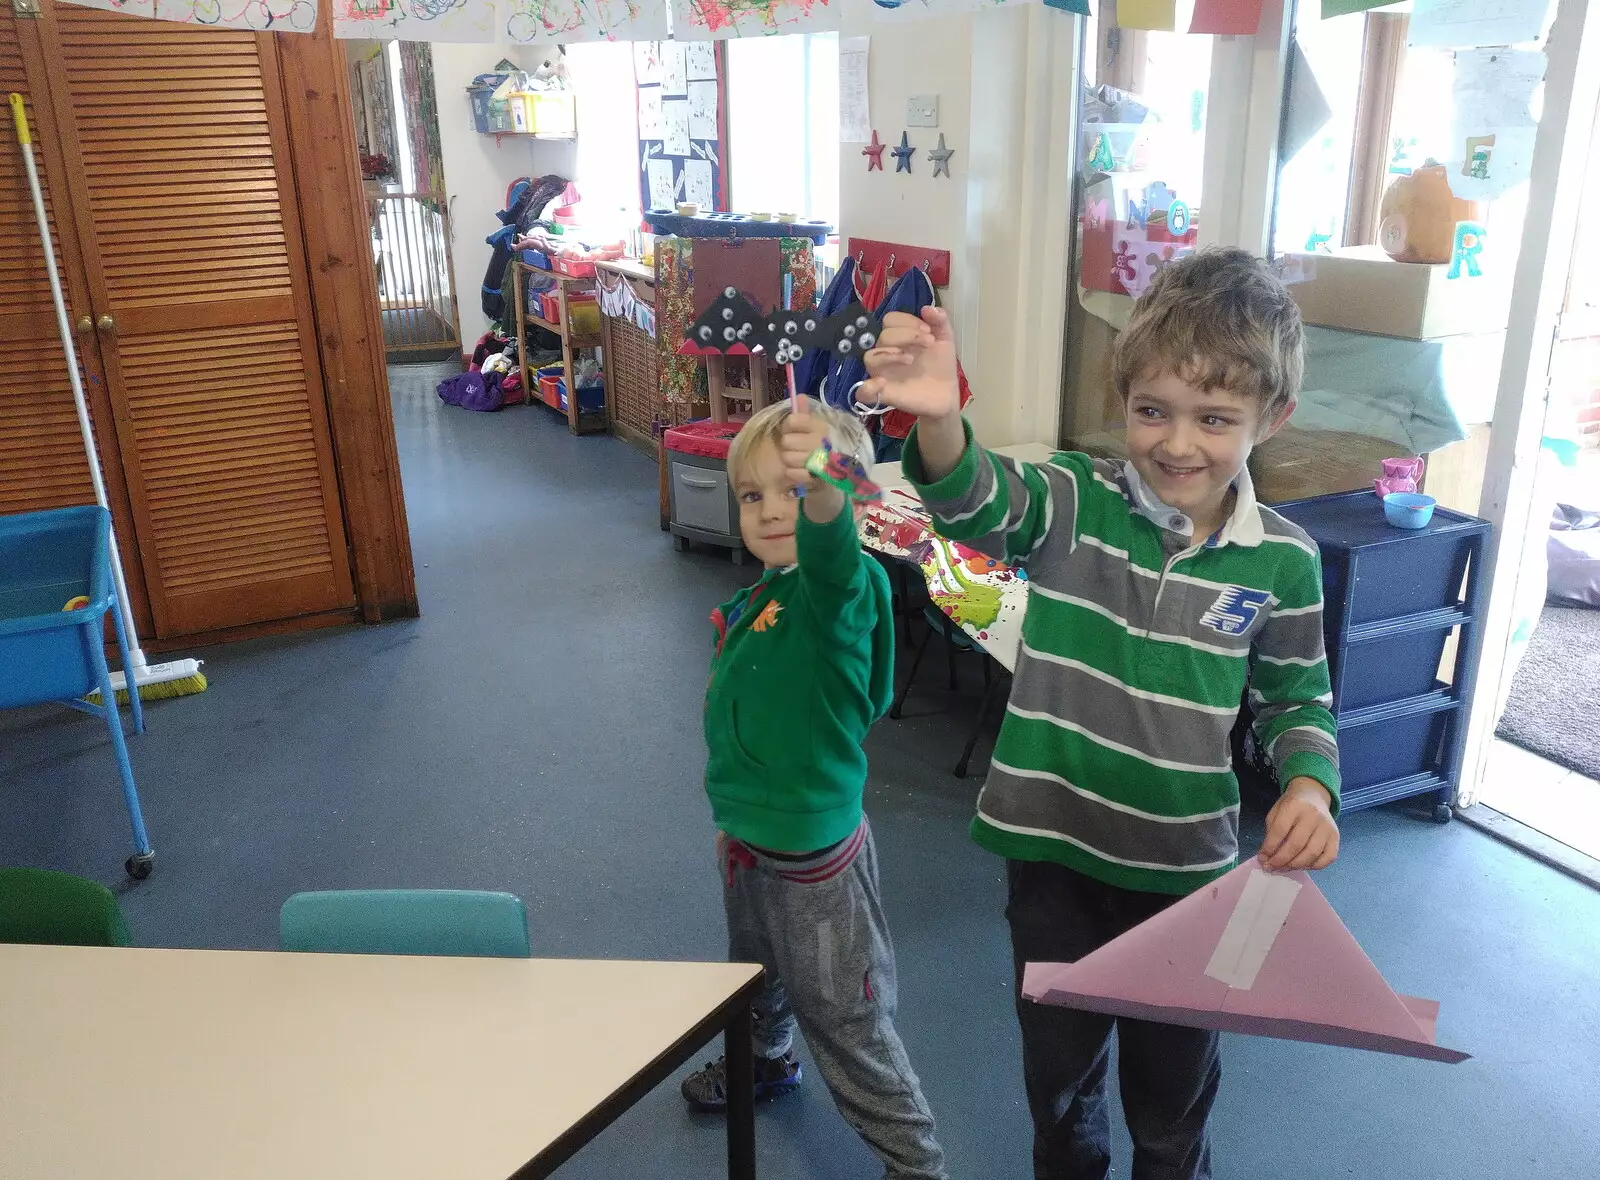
(478, 169)
(1004, 210)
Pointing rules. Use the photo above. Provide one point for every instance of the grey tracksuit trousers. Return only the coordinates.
(817, 926)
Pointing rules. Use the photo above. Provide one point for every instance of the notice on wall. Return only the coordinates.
(698, 185)
(663, 192)
(700, 58)
(1467, 24)
(650, 112)
(675, 126)
(703, 110)
(674, 69)
(855, 111)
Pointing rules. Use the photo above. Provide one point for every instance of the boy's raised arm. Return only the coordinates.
(832, 565)
(999, 506)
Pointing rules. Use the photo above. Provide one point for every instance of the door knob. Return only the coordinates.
(85, 324)
(107, 324)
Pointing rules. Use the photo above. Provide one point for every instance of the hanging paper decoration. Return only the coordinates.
(462, 21)
(584, 20)
(892, 11)
(1228, 18)
(941, 157)
(1333, 8)
(261, 16)
(1161, 15)
(1492, 128)
(721, 19)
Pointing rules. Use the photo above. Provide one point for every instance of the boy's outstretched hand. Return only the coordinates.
(803, 435)
(913, 368)
(1301, 832)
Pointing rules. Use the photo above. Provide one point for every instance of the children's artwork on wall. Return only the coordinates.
(721, 19)
(680, 125)
(584, 20)
(902, 154)
(261, 16)
(1467, 24)
(460, 21)
(874, 154)
(1492, 123)
(1464, 254)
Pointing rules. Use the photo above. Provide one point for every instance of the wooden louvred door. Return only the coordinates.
(173, 139)
(42, 464)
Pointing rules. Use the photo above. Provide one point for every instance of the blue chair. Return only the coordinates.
(463, 923)
(49, 561)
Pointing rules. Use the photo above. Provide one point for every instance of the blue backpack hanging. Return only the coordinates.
(811, 368)
(910, 293)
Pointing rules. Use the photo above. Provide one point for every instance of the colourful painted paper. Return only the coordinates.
(720, 20)
(1147, 14)
(458, 21)
(1253, 952)
(584, 20)
(277, 16)
(1080, 7)
(842, 470)
(1227, 18)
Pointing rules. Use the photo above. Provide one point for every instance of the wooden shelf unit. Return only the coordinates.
(579, 423)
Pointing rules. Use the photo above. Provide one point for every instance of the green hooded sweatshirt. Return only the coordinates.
(804, 665)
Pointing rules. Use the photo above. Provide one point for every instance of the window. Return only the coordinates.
(608, 137)
(783, 125)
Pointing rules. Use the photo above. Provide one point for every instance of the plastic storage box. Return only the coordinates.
(701, 506)
(1391, 600)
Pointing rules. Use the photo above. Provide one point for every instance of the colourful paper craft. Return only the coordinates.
(843, 471)
(1253, 952)
(1147, 14)
(1232, 18)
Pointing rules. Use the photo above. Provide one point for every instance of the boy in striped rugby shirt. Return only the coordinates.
(1159, 588)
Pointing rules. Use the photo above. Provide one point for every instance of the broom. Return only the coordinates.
(177, 678)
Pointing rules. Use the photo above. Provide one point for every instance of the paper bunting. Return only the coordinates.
(1161, 15)
(1228, 18)
(718, 20)
(261, 16)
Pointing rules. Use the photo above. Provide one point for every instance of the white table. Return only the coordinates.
(998, 632)
(200, 1065)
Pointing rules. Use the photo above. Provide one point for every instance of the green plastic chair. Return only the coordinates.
(455, 922)
(43, 906)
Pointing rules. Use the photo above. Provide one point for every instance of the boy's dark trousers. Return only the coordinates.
(1168, 1075)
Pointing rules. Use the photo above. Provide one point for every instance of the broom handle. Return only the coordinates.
(85, 427)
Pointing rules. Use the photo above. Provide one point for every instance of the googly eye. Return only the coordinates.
(811, 325)
(846, 347)
(862, 321)
(790, 327)
(868, 340)
(849, 330)
(730, 335)
(744, 331)
(705, 333)
(730, 292)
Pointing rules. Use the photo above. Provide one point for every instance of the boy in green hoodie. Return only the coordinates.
(804, 665)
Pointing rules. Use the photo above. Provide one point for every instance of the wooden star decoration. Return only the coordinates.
(902, 154)
(941, 157)
(874, 154)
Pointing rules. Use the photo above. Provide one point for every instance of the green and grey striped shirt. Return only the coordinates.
(1114, 758)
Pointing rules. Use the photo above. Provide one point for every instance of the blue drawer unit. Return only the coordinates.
(1392, 600)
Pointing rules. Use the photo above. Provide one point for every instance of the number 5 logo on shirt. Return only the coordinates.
(1235, 610)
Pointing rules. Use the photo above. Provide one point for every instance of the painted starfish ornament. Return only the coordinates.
(941, 157)
(874, 154)
(902, 154)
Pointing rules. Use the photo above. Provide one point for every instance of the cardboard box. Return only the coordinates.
(1362, 289)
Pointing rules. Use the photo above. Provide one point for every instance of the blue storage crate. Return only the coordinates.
(591, 398)
(48, 654)
(1392, 598)
(479, 94)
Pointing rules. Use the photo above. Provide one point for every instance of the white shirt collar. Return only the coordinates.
(1243, 526)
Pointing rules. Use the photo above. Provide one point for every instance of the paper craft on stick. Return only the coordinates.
(1253, 952)
(734, 325)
